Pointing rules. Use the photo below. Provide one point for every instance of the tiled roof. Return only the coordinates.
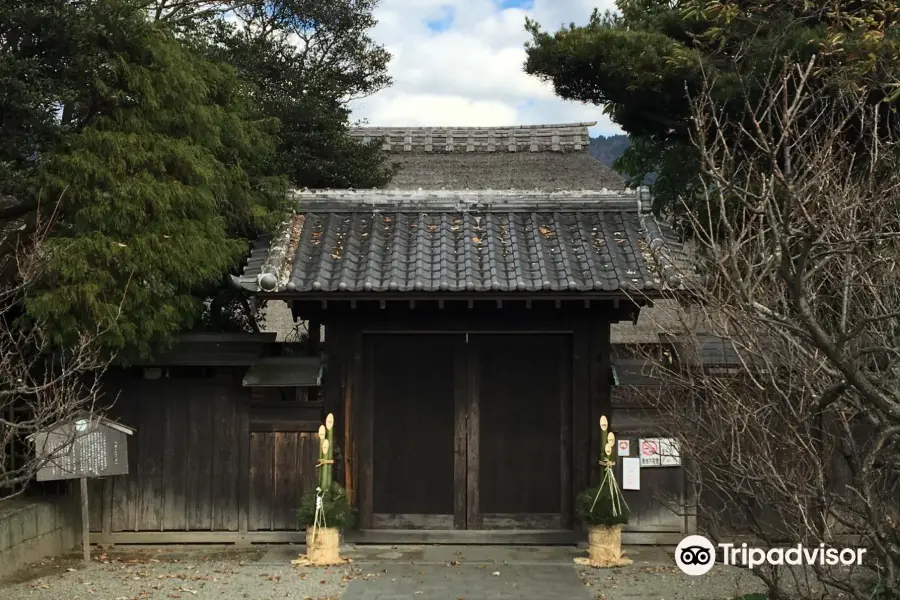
(454, 241)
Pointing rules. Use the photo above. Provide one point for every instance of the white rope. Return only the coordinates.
(319, 520)
(616, 498)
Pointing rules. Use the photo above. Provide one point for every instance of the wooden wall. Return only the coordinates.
(658, 508)
(209, 457)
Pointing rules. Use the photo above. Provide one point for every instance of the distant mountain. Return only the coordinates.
(608, 149)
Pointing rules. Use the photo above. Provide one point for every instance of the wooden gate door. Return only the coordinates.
(417, 394)
(518, 432)
(467, 431)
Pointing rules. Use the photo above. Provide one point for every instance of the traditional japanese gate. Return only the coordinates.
(469, 431)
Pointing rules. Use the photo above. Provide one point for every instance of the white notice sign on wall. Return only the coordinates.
(631, 473)
(624, 447)
(669, 452)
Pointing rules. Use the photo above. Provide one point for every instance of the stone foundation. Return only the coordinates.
(32, 529)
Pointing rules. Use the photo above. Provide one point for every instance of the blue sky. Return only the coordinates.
(459, 63)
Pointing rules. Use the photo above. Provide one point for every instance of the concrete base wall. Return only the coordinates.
(34, 529)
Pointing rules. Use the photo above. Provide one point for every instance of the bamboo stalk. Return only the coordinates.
(322, 455)
(329, 464)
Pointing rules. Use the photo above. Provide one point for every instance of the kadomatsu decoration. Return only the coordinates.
(603, 509)
(325, 510)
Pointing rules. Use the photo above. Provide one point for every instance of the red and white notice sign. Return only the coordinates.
(648, 449)
(659, 452)
(624, 447)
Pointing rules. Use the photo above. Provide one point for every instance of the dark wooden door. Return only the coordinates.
(467, 431)
(518, 442)
(416, 388)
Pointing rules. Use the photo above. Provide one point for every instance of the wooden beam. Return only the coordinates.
(352, 390)
(460, 401)
(365, 433)
(565, 435)
(473, 459)
(465, 536)
(581, 408)
(412, 521)
(379, 536)
(314, 341)
(243, 441)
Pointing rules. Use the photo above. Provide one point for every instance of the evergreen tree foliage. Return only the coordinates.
(162, 183)
(306, 60)
(645, 62)
(161, 136)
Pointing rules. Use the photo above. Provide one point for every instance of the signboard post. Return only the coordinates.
(85, 522)
(86, 446)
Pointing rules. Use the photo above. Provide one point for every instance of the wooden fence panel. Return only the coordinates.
(282, 468)
(185, 472)
(227, 405)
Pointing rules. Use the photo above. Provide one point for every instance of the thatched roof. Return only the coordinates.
(526, 157)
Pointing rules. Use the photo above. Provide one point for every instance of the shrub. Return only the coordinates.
(336, 504)
(602, 511)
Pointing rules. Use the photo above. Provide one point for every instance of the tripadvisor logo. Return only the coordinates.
(696, 555)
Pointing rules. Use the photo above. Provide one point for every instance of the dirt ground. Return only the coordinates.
(239, 574)
(266, 573)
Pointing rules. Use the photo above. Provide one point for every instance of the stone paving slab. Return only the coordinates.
(388, 581)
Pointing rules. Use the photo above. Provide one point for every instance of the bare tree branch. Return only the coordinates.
(798, 233)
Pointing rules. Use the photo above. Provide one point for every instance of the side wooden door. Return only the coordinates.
(518, 471)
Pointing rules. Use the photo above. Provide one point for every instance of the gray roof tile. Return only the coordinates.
(380, 241)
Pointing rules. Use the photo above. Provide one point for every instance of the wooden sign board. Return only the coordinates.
(83, 447)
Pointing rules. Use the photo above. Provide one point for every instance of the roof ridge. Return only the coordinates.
(556, 137)
(473, 127)
(511, 200)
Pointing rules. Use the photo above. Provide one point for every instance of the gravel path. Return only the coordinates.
(149, 575)
(668, 583)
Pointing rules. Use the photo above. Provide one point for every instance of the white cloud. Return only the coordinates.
(471, 72)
